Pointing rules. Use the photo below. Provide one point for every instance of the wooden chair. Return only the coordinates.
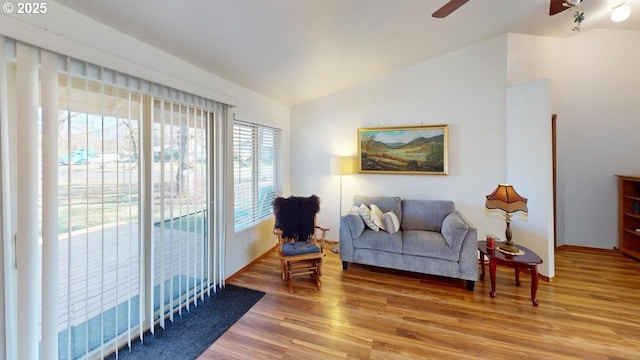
(299, 248)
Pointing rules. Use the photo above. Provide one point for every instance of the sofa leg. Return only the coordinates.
(470, 285)
(345, 265)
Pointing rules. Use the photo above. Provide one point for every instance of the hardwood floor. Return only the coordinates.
(590, 311)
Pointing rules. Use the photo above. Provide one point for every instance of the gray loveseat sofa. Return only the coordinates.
(433, 239)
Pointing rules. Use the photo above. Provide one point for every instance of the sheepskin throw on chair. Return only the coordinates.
(295, 216)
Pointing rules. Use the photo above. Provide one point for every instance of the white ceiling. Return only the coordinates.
(297, 50)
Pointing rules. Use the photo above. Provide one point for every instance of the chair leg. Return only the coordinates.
(289, 269)
(290, 283)
(283, 269)
(316, 276)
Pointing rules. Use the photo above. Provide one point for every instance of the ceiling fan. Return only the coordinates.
(555, 6)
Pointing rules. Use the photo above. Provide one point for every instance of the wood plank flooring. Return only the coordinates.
(590, 311)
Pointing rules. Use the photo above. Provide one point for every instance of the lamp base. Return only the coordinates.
(510, 248)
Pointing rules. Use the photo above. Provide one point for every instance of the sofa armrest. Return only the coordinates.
(346, 239)
(355, 224)
(469, 253)
(454, 230)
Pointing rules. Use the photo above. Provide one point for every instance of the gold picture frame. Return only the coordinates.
(415, 150)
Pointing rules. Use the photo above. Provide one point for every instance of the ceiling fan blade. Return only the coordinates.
(558, 6)
(448, 8)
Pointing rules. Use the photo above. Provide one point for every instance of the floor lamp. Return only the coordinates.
(341, 165)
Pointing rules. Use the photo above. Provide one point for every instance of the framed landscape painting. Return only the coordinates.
(419, 150)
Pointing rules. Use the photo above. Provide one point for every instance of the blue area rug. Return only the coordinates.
(192, 333)
(89, 335)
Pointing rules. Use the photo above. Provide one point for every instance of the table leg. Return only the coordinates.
(481, 264)
(517, 275)
(534, 284)
(493, 264)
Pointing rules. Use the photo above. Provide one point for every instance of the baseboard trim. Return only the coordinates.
(586, 249)
(546, 278)
(237, 273)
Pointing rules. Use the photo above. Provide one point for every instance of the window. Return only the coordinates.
(257, 172)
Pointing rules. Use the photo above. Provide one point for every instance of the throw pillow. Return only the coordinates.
(391, 222)
(365, 214)
(353, 210)
(376, 216)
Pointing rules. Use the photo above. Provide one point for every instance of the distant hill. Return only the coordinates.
(422, 141)
(378, 146)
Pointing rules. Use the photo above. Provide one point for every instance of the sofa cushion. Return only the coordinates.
(384, 203)
(391, 223)
(380, 240)
(428, 244)
(454, 230)
(425, 214)
(365, 214)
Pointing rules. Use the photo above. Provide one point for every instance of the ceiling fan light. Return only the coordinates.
(620, 13)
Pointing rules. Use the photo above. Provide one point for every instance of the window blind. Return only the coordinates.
(180, 177)
(257, 168)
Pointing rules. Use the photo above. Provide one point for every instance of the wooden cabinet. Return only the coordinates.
(629, 215)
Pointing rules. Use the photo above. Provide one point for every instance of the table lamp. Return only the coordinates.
(505, 202)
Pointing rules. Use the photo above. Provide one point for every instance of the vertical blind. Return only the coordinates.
(180, 182)
(7, 341)
(115, 231)
(257, 170)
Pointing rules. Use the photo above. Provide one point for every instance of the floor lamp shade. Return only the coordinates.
(342, 165)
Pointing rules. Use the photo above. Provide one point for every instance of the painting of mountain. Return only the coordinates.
(404, 150)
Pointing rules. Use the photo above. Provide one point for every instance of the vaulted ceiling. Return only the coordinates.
(297, 50)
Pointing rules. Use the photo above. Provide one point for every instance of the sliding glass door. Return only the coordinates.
(100, 167)
(113, 181)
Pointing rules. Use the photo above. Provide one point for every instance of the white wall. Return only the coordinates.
(595, 82)
(464, 89)
(68, 32)
(598, 129)
(536, 57)
(529, 167)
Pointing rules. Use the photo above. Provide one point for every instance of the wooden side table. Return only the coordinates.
(528, 261)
